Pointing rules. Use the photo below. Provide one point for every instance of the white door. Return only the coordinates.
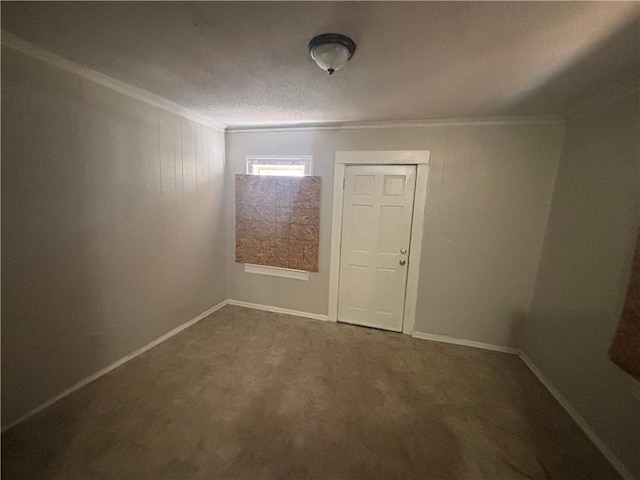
(374, 254)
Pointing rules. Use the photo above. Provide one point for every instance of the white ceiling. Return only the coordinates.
(246, 63)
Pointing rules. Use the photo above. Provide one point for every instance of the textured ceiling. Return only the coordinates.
(247, 63)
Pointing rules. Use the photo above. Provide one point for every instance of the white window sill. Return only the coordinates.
(277, 272)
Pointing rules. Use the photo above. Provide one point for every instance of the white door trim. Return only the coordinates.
(420, 158)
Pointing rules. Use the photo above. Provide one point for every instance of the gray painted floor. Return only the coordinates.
(249, 394)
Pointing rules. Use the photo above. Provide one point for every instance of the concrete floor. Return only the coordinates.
(247, 394)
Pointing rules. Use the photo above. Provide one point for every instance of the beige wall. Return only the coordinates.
(489, 191)
(112, 228)
(583, 274)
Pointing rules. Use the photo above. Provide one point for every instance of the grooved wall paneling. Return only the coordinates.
(584, 274)
(488, 195)
(113, 228)
(278, 221)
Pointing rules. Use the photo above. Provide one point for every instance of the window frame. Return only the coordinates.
(250, 160)
(306, 160)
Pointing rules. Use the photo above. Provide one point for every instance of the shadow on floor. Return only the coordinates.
(250, 394)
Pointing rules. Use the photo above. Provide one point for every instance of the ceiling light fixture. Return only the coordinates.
(331, 51)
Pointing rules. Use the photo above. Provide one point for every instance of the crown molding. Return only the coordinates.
(34, 51)
(605, 97)
(14, 42)
(546, 119)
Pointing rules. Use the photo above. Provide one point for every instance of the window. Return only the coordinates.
(298, 166)
(295, 221)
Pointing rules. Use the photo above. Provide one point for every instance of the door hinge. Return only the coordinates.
(343, 183)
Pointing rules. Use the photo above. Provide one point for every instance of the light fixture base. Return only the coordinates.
(332, 38)
(318, 50)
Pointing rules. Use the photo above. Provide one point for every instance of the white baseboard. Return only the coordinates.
(465, 343)
(582, 423)
(593, 436)
(104, 371)
(285, 311)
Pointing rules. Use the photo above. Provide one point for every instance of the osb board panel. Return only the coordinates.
(625, 349)
(278, 221)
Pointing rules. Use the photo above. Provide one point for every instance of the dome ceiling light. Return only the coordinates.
(331, 51)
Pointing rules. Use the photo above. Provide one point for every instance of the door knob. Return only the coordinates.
(403, 251)
(402, 261)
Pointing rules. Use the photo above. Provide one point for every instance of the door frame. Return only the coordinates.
(419, 158)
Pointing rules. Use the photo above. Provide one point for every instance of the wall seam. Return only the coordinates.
(545, 231)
